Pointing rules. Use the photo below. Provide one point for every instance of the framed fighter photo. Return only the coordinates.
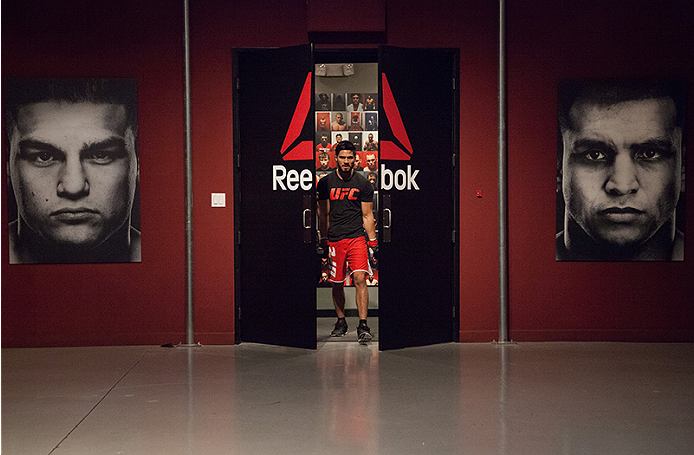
(355, 138)
(322, 121)
(73, 170)
(620, 170)
(370, 101)
(371, 121)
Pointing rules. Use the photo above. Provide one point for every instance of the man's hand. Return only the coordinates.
(373, 246)
(322, 248)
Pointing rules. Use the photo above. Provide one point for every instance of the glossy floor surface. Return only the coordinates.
(343, 398)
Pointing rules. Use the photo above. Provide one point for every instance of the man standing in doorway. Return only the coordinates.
(345, 203)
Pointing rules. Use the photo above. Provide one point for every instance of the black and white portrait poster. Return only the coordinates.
(620, 170)
(73, 166)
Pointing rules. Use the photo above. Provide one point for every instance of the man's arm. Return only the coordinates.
(368, 219)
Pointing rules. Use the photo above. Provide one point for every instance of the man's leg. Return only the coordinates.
(339, 299)
(340, 328)
(337, 276)
(362, 297)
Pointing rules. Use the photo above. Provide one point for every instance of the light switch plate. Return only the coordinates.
(219, 199)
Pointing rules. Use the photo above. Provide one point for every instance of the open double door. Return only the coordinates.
(276, 264)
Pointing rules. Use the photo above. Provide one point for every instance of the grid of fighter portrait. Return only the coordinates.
(348, 117)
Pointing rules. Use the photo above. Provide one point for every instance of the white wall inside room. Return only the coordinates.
(325, 299)
(364, 80)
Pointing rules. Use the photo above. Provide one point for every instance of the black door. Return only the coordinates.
(276, 265)
(418, 263)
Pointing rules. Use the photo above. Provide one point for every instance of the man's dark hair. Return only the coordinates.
(20, 92)
(608, 92)
(345, 145)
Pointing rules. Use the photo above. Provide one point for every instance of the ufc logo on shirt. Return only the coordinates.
(343, 193)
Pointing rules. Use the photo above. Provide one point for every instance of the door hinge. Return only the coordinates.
(238, 161)
(238, 83)
(454, 160)
(453, 236)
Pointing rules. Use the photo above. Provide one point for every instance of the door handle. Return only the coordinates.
(307, 220)
(387, 217)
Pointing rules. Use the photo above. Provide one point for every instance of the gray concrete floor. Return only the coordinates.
(343, 398)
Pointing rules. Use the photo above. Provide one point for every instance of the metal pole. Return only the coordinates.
(190, 333)
(503, 267)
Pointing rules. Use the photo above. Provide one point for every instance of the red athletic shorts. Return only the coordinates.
(351, 253)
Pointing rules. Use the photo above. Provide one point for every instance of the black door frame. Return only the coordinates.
(337, 56)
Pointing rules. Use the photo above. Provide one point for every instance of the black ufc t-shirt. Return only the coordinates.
(345, 204)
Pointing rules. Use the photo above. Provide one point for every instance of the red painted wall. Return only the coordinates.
(53, 305)
(635, 301)
(106, 304)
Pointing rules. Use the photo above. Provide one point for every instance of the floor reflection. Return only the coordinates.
(350, 392)
(344, 398)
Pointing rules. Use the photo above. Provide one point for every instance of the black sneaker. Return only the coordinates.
(364, 334)
(340, 329)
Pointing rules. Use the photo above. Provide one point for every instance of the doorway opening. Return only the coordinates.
(279, 297)
(346, 109)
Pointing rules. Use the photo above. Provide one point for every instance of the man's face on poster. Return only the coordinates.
(324, 160)
(371, 161)
(622, 169)
(74, 170)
